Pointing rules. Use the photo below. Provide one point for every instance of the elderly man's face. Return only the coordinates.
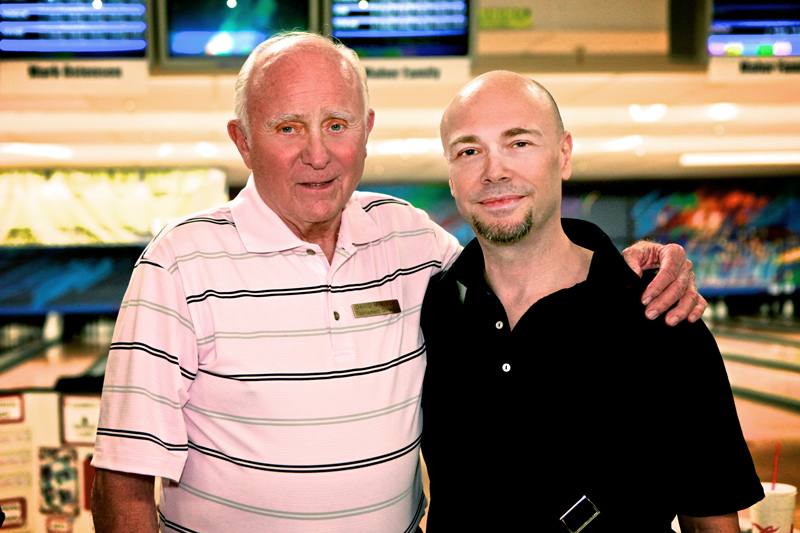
(308, 137)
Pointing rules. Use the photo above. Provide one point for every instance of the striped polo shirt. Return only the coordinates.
(270, 390)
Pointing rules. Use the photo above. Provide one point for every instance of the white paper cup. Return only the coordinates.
(775, 513)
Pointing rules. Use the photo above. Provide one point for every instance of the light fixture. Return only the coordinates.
(722, 111)
(405, 146)
(651, 113)
(49, 151)
(624, 143)
(694, 159)
(205, 149)
(164, 150)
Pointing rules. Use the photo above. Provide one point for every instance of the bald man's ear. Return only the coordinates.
(565, 157)
(237, 135)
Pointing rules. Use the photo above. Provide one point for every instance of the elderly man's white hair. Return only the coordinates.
(284, 40)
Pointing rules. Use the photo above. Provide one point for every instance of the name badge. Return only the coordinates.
(385, 307)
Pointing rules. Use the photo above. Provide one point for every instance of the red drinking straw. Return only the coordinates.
(775, 464)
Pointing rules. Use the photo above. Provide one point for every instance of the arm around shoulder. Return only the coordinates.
(123, 502)
(726, 523)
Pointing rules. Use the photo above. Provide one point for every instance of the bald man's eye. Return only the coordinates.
(520, 144)
(468, 151)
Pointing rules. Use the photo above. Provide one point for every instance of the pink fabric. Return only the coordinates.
(231, 375)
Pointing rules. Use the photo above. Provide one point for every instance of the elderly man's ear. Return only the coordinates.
(239, 138)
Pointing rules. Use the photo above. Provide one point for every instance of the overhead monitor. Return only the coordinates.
(74, 29)
(401, 29)
(768, 28)
(214, 35)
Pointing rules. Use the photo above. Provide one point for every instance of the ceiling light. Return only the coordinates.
(49, 151)
(205, 149)
(723, 111)
(739, 158)
(405, 146)
(164, 150)
(624, 143)
(651, 113)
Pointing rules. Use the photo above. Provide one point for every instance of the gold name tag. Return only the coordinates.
(386, 307)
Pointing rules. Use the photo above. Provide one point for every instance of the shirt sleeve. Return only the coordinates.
(448, 246)
(711, 449)
(151, 365)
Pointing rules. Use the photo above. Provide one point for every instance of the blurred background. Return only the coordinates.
(685, 115)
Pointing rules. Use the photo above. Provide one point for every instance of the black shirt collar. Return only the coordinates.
(607, 265)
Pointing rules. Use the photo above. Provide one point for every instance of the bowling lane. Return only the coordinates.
(764, 427)
(44, 369)
(763, 364)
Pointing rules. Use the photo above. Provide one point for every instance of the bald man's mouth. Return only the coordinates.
(498, 202)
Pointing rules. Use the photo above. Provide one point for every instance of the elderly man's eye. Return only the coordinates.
(337, 127)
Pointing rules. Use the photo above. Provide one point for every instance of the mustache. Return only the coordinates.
(496, 190)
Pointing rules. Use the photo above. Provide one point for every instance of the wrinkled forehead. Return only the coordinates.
(306, 63)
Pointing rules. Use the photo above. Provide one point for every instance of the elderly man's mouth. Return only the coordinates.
(318, 184)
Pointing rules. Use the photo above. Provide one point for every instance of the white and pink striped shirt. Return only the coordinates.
(266, 383)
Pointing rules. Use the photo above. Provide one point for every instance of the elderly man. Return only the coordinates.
(532, 374)
(267, 362)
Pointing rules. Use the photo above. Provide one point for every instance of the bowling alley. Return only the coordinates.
(535, 260)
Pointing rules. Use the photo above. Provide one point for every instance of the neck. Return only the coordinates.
(324, 234)
(543, 262)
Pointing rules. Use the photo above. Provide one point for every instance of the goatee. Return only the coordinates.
(503, 234)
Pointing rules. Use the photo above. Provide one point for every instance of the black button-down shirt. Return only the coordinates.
(585, 397)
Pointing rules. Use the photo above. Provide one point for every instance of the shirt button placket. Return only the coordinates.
(498, 326)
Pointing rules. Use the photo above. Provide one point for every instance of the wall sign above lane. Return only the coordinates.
(417, 70)
(753, 67)
(73, 77)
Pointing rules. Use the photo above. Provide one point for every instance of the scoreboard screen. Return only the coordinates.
(73, 29)
(766, 28)
(411, 28)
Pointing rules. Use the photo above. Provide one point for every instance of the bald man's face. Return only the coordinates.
(506, 157)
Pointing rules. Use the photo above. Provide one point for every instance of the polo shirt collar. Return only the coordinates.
(607, 265)
(357, 226)
(262, 230)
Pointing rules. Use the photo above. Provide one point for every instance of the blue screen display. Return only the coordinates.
(402, 29)
(768, 28)
(77, 29)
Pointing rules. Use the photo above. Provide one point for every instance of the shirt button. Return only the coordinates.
(499, 324)
(336, 315)
(506, 367)
(311, 252)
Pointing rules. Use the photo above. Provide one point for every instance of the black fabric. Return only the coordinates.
(596, 401)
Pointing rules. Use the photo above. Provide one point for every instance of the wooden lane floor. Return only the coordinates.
(764, 427)
(44, 369)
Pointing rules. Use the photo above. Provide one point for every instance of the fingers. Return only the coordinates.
(673, 288)
(699, 309)
(673, 267)
(675, 291)
(684, 308)
(690, 305)
(635, 257)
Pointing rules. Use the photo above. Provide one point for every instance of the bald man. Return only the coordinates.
(540, 412)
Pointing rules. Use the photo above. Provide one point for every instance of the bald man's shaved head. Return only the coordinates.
(485, 85)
